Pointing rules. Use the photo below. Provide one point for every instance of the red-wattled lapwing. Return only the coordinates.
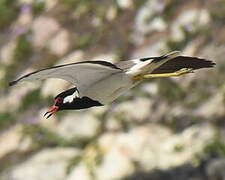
(100, 82)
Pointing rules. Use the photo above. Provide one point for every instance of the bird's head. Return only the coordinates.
(69, 100)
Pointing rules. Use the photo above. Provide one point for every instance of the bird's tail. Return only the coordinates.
(181, 62)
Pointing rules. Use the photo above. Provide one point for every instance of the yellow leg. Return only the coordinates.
(177, 73)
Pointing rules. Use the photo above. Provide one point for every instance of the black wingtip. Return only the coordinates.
(12, 83)
(213, 64)
(207, 64)
(180, 62)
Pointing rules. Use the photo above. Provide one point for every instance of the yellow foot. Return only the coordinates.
(183, 71)
(177, 73)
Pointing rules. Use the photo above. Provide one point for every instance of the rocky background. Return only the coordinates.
(172, 128)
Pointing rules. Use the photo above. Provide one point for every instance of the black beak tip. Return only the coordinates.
(48, 114)
(45, 113)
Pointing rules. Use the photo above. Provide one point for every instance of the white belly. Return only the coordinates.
(108, 89)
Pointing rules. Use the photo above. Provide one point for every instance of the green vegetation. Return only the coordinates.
(38, 7)
(22, 52)
(92, 158)
(83, 41)
(171, 90)
(218, 12)
(6, 120)
(170, 9)
(31, 98)
(139, 3)
(179, 45)
(23, 48)
(44, 137)
(8, 12)
(216, 148)
(179, 148)
(198, 98)
(73, 163)
(77, 4)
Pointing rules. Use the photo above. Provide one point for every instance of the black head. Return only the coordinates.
(69, 100)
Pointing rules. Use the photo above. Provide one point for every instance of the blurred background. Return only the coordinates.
(172, 128)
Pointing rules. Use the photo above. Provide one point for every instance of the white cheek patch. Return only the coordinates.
(70, 98)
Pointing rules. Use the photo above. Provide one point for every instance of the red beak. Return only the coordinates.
(51, 111)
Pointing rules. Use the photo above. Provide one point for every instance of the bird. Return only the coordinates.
(97, 82)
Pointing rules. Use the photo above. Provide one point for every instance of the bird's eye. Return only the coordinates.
(59, 100)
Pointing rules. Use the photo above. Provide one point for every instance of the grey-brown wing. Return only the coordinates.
(80, 74)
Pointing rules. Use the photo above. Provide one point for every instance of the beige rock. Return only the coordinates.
(124, 3)
(75, 56)
(2, 74)
(78, 125)
(25, 1)
(113, 124)
(151, 88)
(153, 147)
(48, 164)
(52, 87)
(157, 24)
(26, 144)
(10, 140)
(80, 172)
(25, 18)
(50, 4)
(111, 14)
(60, 43)
(15, 96)
(138, 109)
(143, 26)
(192, 141)
(155, 49)
(7, 52)
(96, 21)
(214, 107)
(193, 47)
(191, 19)
(44, 28)
(115, 166)
(122, 149)
(111, 57)
(99, 111)
(163, 155)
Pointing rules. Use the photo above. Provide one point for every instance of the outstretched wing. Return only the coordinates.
(180, 62)
(82, 74)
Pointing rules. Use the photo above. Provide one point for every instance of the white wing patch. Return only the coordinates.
(137, 68)
(70, 98)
